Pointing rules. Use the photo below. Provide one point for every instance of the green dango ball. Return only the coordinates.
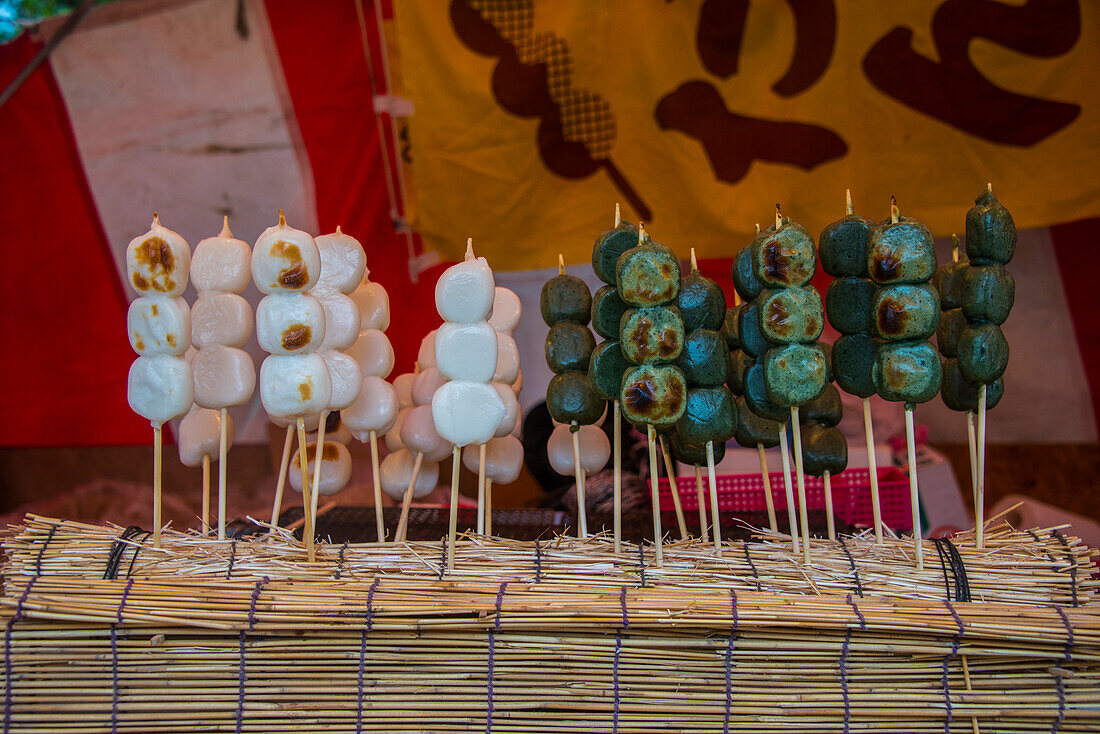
(990, 231)
(571, 398)
(785, 257)
(702, 303)
(565, 298)
(901, 252)
(826, 409)
(907, 372)
(842, 247)
(606, 369)
(853, 362)
(652, 335)
(824, 449)
(729, 327)
(739, 367)
(949, 284)
(983, 353)
(745, 281)
(709, 415)
(648, 275)
(848, 305)
(609, 246)
(756, 395)
(795, 374)
(695, 454)
(906, 312)
(753, 430)
(960, 394)
(952, 325)
(705, 358)
(988, 292)
(654, 395)
(607, 312)
(748, 329)
(791, 315)
(568, 347)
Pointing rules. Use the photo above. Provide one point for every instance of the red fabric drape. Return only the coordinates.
(1074, 244)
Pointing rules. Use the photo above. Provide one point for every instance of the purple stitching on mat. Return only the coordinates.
(729, 662)
(500, 600)
(114, 655)
(492, 645)
(641, 564)
(42, 550)
(1059, 682)
(122, 601)
(844, 649)
(7, 651)
(370, 603)
(538, 562)
(859, 614)
(944, 680)
(622, 605)
(232, 559)
(615, 681)
(752, 566)
(242, 675)
(363, 656)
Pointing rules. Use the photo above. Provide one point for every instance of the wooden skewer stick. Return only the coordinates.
(800, 477)
(778, 217)
(158, 446)
(488, 506)
(872, 469)
(481, 489)
(674, 488)
(578, 473)
(277, 507)
(972, 442)
(769, 501)
(848, 208)
(406, 501)
(456, 465)
(829, 521)
(379, 520)
(895, 213)
(651, 435)
(716, 518)
(617, 487)
(307, 510)
(223, 456)
(205, 494)
(618, 215)
(318, 452)
(701, 501)
(914, 495)
(788, 488)
(979, 522)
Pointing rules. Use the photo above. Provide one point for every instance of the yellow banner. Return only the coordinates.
(533, 118)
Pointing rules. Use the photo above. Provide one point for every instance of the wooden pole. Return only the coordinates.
(406, 501)
(379, 520)
(481, 489)
(223, 458)
(829, 521)
(972, 442)
(318, 452)
(716, 517)
(769, 501)
(872, 468)
(488, 506)
(701, 501)
(158, 448)
(277, 507)
(307, 510)
(205, 494)
(914, 496)
(582, 510)
(979, 522)
(788, 489)
(651, 435)
(617, 458)
(674, 488)
(800, 477)
(456, 466)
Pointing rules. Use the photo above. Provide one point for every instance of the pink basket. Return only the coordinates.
(744, 493)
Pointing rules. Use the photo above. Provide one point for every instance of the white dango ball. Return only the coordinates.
(396, 473)
(466, 351)
(425, 386)
(343, 262)
(511, 410)
(373, 303)
(467, 412)
(159, 326)
(419, 435)
(374, 409)
(290, 324)
(507, 310)
(285, 260)
(425, 356)
(200, 435)
(465, 291)
(345, 377)
(220, 318)
(222, 263)
(294, 386)
(224, 377)
(403, 385)
(341, 321)
(373, 353)
(595, 449)
(503, 459)
(160, 388)
(393, 436)
(158, 262)
(507, 367)
(335, 467)
(309, 422)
